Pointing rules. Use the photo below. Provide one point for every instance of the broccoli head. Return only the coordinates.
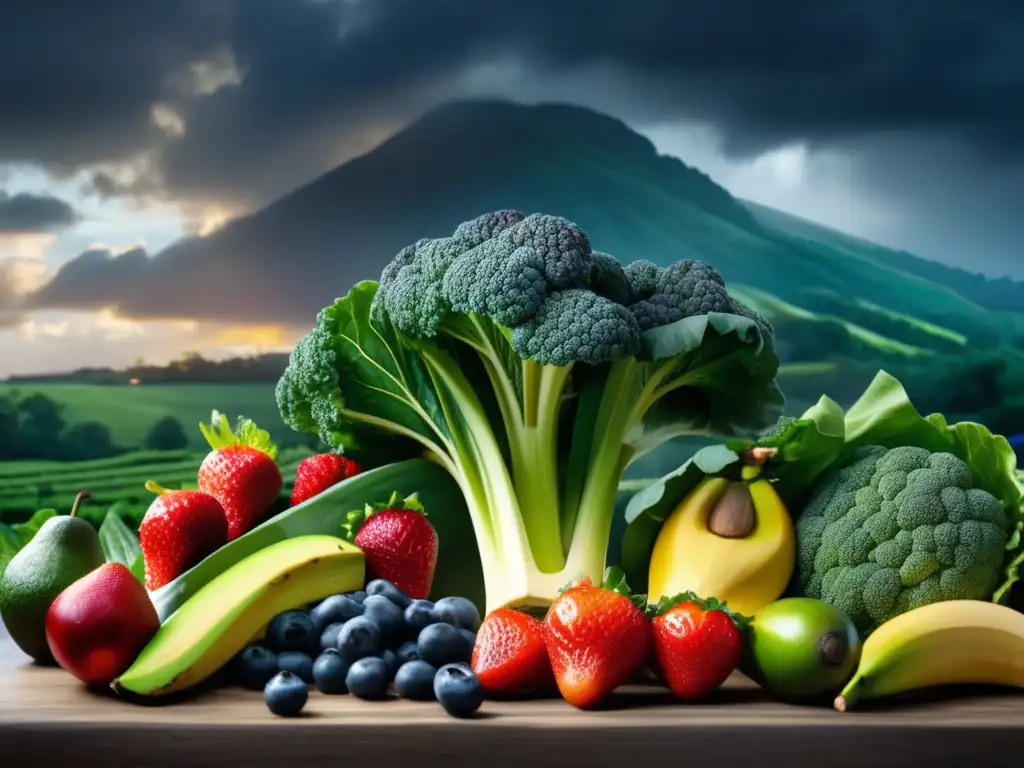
(538, 276)
(894, 529)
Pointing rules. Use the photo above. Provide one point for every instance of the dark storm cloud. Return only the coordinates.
(77, 80)
(33, 213)
(762, 72)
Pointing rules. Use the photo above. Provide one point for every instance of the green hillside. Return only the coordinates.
(130, 411)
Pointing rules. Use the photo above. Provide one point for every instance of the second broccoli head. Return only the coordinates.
(534, 369)
(890, 530)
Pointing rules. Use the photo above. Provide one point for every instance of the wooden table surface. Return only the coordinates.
(47, 718)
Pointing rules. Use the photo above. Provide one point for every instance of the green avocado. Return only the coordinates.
(64, 549)
(799, 648)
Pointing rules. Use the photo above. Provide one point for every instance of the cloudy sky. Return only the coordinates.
(125, 126)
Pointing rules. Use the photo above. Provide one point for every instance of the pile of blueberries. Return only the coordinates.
(362, 642)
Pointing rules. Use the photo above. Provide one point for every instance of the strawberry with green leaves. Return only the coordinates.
(240, 471)
(596, 638)
(697, 643)
(398, 542)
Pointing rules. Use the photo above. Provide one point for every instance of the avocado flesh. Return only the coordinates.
(223, 617)
(64, 549)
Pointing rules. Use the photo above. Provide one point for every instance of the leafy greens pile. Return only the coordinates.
(534, 369)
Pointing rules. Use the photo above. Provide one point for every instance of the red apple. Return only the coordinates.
(97, 626)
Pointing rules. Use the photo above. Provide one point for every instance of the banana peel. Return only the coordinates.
(729, 539)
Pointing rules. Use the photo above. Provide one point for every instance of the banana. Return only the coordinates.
(730, 540)
(224, 615)
(957, 641)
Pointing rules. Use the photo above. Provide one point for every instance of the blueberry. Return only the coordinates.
(415, 680)
(390, 658)
(407, 652)
(368, 678)
(470, 638)
(458, 690)
(329, 672)
(292, 631)
(254, 667)
(418, 615)
(358, 637)
(329, 637)
(299, 664)
(390, 591)
(357, 597)
(441, 644)
(386, 614)
(336, 609)
(286, 694)
(457, 611)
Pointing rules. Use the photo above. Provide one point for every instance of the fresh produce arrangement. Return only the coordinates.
(480, 403)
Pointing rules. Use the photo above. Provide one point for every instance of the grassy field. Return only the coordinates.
(27, 486)
(129, 412)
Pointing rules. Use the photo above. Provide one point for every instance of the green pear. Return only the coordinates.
(64, 549)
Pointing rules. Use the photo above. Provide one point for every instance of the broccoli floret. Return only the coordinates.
(662, 295)
(894, 529)
(577, 325)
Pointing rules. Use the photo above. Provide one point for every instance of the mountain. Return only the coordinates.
(843, 307)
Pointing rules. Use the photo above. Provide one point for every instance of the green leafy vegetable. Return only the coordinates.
(535, 370)
(120, 544)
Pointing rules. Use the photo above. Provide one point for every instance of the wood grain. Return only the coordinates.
(47, 718)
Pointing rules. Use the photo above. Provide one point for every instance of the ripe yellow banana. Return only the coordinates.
(746, 570)
(957, 641)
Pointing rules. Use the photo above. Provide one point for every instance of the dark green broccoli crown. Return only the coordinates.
(538, 276)
(663, 295)
(577, 324)
(895, 529)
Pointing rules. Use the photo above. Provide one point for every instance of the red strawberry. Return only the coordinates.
(697, 643)
(596, 638)
(240, 471)
(316, 474)
(509, 657)
(398, 542)
(179, 529)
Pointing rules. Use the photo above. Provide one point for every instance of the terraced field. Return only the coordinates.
(27, 486)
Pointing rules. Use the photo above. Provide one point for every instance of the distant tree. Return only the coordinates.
(166, 435)
(42, 425)
(88, 440)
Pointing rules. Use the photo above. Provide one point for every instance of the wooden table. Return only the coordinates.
(47, 718)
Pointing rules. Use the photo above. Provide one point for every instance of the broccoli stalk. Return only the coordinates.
(534, 370)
